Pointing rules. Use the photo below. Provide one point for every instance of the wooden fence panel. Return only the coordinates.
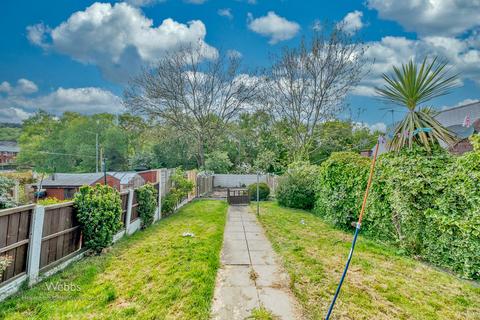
(134, 208)
(61, 234)
(124, 198)
(238, 196)
(14, 239)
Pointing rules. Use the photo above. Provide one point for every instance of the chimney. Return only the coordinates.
(53, 177)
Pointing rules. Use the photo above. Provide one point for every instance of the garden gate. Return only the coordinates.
(238, 196)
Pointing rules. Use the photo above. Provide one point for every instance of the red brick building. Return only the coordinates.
(63, 186)
(8, 152)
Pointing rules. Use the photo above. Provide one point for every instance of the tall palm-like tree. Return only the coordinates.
(410, 86)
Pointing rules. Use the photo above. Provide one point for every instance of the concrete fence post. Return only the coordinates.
(35, 244)
(129, 210)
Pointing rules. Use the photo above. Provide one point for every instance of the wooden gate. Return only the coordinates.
(238, 196)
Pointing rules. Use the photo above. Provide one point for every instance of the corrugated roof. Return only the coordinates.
(124, 177)
(71, 179)
(9, 146)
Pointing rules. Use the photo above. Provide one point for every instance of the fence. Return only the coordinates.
(42, 240)
(204, 185)
(243, 180)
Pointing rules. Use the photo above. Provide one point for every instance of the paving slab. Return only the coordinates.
(250, 275)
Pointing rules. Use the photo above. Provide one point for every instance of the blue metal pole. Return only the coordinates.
(330, 309)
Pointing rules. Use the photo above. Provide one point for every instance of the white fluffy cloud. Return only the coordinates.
(462, 54)
(23, 86)
(118, 38)
(143, 3)
(273, 26)
(227, 13)
(352, 22)
(430, 17)
(17, 104)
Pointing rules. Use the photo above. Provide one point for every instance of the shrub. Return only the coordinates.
(452, 231)
(405, 185)
(263, 191)
(6, 185)
(5, 261)
(169, 203)
(99, 211)
(49, 201)
(147, 197)
(340, 187)
(296, 188)
(181, 186)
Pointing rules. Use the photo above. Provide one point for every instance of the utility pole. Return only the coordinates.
(96, 152)
(104, 166)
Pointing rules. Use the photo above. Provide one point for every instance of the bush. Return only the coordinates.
(452, 229)
(169, 203)
(6, 185)
(147, 197)
(405, 185)
(181, 186)
(296, 188)
(49, 201)
(263, 191)
(99, 211)
(340, 188)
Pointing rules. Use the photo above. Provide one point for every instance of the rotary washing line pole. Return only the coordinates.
(357, 229)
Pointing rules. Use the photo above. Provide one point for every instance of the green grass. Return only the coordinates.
(380, 283)
(153, 274)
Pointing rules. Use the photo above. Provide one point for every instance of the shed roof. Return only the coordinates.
(125, 177)
(9, 146)
(71, 179)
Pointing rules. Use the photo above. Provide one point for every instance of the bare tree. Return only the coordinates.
(308, 84)
(195, 95)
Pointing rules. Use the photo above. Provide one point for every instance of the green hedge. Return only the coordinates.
(425, 203)
(181, 186)
(99, 210)
(452, 231)
(147, 197)
(296, 188)
(263, 191)
(340, 187)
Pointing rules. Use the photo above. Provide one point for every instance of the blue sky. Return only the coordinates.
(77, 55)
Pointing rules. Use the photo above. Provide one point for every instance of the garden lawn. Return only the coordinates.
(380, 283)
(153, 274)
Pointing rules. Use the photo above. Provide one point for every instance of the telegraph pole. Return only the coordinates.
(96, 152)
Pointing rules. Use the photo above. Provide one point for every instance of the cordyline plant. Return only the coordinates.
(411, 86)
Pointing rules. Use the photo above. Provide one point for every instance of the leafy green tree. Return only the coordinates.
(410, 87)
(218, 162)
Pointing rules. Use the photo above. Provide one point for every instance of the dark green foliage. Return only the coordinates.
(99, 210)
(6, 186)
(452, 229)
(169, 203)
(426, 203)
(405, 184)
(147, 197)
(340, 187)
(263, 191)
(296, 188)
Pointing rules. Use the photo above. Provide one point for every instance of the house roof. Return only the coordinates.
(9, 146)
(71, 179)
(125, 177)
(456, 116)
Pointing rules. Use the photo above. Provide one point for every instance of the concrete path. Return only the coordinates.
(250, 275)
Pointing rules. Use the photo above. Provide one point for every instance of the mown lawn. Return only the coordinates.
(380, 283)
(153, 274)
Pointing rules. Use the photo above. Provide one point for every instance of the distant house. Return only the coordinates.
(128, 180)
(8, 151)
(462, 121)
(63, 186)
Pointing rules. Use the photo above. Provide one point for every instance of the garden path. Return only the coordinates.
(250, 276)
